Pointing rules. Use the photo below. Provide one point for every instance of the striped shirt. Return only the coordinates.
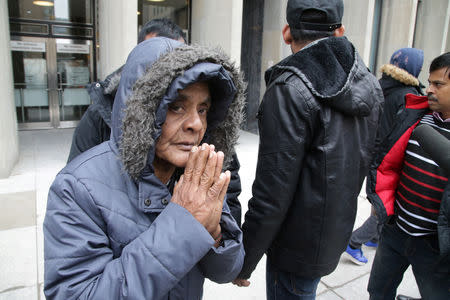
(421, 185)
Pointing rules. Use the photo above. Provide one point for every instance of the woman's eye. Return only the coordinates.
(175, 108)
(203, 111)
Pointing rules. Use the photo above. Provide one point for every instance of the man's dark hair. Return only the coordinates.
(303, 35)
(162, 27)
(442, 61)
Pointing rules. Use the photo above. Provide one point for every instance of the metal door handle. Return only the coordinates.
(59, 79)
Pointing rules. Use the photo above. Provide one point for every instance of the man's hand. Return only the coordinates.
(202, 187)
(241, 282)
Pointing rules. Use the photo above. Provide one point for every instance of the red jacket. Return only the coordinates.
(387, 165)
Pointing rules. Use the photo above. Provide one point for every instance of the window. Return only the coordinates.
(176, 10)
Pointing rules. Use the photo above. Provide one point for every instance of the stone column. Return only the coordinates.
(218, 22)
(9, 145)
(117, 32)
(274, 49)
(398, 20)
(432, 33)
(358, 22)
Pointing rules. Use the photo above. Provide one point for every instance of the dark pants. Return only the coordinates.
(369, 231)
(396, 251)
(285, 286)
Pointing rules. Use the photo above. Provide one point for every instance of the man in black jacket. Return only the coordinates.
(317, 126)
(399, 77)
(95, 125)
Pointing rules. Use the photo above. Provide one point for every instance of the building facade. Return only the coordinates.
(52, 49)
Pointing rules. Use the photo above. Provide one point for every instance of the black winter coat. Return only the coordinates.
(395, 86)
(95, 128)
(317, 125)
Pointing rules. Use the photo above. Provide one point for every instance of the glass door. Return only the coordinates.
(74, 72)
(49, 80)
(31, 81)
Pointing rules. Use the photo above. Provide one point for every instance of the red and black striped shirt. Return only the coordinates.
(421, 185)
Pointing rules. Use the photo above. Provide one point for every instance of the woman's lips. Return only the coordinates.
(185, 146)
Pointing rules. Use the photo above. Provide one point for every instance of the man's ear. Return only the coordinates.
(338, 32)
(287, 36)
(150, 35)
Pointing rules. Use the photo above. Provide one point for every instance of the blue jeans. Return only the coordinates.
(396, 251)
(285, 286)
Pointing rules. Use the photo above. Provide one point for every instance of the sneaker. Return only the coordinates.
(371, 244)
(356, 256)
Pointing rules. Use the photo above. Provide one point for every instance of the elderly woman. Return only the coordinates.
(143, 216)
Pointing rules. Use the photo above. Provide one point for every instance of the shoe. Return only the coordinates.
(403, 297)
(356, 256)
(371, 244)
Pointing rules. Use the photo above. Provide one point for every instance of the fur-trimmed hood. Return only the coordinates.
(399, 74)
(334, 72)
(154, 72)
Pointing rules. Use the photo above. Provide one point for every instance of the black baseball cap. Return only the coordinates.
(329, 17)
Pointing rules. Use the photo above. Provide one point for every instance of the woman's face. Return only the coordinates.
(184, 127)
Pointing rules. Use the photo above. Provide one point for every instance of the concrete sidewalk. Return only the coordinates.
(23, 198)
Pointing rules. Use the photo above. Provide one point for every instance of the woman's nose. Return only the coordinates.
(193, 122)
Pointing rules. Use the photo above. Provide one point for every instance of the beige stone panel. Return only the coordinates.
(218, 23)
(117, 27)
(9, 148)
(18, 210)
(396, 28)
(432, 32)
(358, 21)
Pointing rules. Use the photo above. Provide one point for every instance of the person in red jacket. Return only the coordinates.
(406, 186)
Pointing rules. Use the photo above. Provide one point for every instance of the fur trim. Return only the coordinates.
(399, 74)
(112, 84)
(138, 125)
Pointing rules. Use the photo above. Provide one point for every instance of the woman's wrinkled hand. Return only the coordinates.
(202, 187)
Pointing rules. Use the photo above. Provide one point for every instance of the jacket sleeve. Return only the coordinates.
(443, 225)
(88, 133)
(224, 263)
(393, 103)
(80, 264)
(234, 190)
(284, 132)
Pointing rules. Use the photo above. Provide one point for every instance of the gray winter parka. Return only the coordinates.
(110, 231)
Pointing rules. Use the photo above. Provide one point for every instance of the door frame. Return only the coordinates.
(53, 86)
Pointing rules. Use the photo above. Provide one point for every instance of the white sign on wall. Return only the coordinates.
(27, 46)
(72, 48)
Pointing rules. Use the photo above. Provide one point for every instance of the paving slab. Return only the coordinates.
(18, 258)
(28, 293)
(328, 295)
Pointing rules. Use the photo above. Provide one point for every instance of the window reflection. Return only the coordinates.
(79, 11)
(175, 10)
